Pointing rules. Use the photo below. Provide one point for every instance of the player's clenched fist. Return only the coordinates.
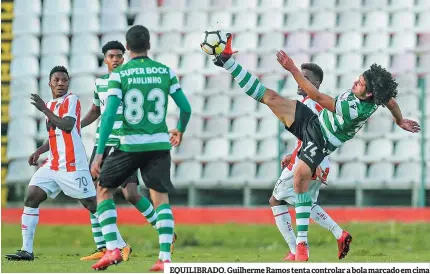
(95, 167)
(285, 161)
(32, 160)
(285, 61)
(175, 137)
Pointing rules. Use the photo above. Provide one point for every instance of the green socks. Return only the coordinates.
(248, 82)
(303, 212)
(97, 232)
(147, 210)
(165, 225)
(106, 211)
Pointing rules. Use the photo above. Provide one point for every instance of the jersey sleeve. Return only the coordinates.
(174, 83)
(114, 85)
(314, 106)
(71, 106)
(96, 99)
(346, 108)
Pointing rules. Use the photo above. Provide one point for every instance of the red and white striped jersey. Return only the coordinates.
(325, 164)
(66, 150)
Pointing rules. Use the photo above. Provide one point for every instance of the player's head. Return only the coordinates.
(59, 81)
(137, 38)
(375, 84)
(313, 73)
(113, 52)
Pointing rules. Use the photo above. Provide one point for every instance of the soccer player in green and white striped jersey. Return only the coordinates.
(113, 52)
(142, 87)
(340, 120)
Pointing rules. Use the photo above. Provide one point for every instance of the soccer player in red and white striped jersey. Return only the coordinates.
(284, 193)
(67, 152)
(66, 169)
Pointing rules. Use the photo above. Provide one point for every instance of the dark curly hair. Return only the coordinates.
(58, 69)
(113, 45)
(380, 83)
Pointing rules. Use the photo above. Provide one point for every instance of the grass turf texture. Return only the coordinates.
(58, 248)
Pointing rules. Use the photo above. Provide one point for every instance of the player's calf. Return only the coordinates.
(29, 220)
(282, 107)
(90, 204)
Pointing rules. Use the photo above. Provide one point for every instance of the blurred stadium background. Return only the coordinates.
(230, 153)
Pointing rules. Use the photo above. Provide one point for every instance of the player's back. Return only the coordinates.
(145, 86)
(67, 151)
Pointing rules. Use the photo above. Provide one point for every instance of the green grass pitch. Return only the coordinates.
(58, 248)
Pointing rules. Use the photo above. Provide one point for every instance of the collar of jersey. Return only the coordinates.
(140, 57)
(62, 97)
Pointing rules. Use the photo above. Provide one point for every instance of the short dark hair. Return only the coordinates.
(315, 69)
(113, 45)
(58, 69)
(380, 83)
(137, 38)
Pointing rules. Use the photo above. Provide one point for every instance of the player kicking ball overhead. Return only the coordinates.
(284, 189)
(142, 86)
(66, 169)
(339, 121)
(113, 52)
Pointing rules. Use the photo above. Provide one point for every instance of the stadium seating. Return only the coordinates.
(232, 141)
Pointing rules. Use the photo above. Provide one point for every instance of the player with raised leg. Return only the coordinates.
(66, 169)
(283, 192)
(113, 52)
(142, 86)
(339, 121)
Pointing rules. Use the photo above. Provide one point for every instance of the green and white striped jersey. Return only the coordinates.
(351, 114)
(100, 100)
(143, 85)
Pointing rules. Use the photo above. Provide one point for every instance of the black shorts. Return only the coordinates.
(306, 127)
(154, 167)
(106, 153)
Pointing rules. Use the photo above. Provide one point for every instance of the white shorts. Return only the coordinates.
(284, 188)
(77, 184)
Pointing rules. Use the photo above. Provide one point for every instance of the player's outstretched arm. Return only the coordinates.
(406, 124)
(323, 99)
(91, 116)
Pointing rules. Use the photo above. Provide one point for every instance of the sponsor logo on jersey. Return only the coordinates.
(143, 71)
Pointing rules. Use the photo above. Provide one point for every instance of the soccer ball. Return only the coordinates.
(213, 42)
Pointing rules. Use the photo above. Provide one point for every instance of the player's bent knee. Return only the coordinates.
(35, 196)
(104, 193)
(133, 198)
(158, 198)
